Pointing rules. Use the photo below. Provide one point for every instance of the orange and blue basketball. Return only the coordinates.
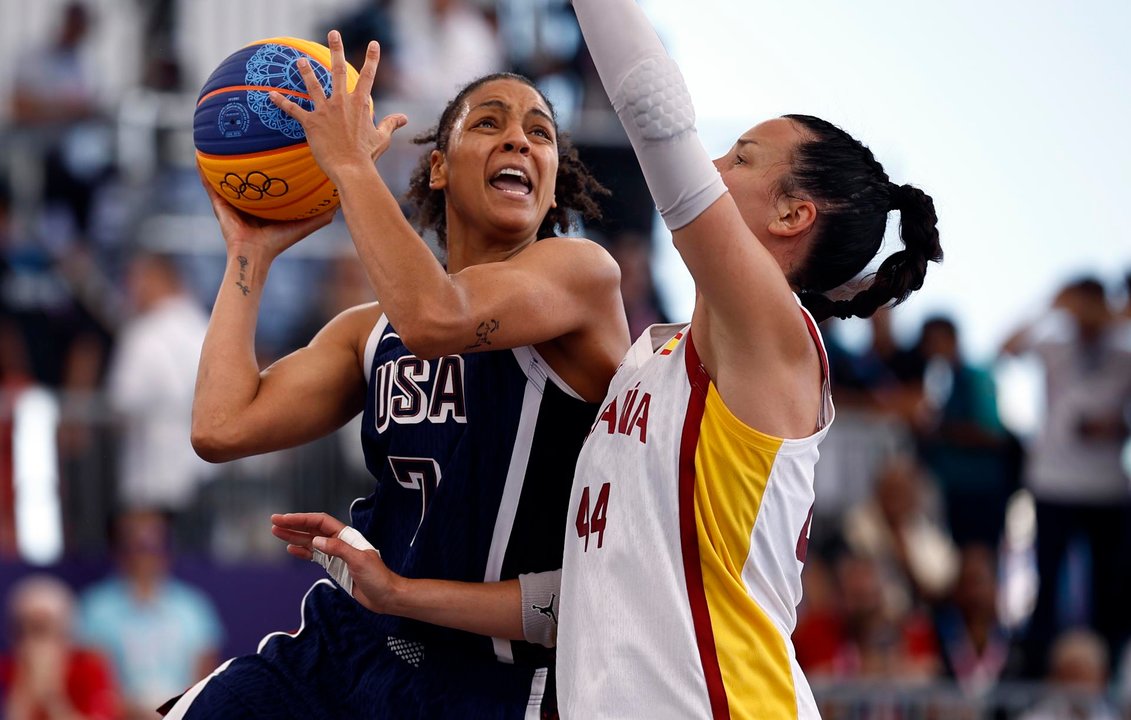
(251, 152)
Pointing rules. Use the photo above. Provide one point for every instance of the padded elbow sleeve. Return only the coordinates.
(650, 97)
(655, 108)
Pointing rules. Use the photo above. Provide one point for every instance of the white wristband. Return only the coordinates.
(541, 595)
(335, 566)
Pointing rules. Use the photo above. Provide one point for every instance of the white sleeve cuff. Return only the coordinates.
(541, 594)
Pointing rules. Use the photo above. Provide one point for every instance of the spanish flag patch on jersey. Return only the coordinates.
(671, 344)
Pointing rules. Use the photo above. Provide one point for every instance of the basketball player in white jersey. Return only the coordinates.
(693, 492)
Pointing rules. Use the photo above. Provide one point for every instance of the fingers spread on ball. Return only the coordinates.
(290, 108)
(310, 80)
(368, 72)
(337, 61)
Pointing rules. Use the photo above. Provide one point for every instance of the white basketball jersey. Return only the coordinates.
(683, 554)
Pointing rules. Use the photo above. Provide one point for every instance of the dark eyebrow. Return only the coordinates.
(743, 142)
(503, 106)
(542, 114)
(493, 104)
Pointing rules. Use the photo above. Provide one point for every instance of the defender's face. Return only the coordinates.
(754, 167)
(501, 166)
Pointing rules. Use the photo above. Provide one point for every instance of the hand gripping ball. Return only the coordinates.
(250, 151)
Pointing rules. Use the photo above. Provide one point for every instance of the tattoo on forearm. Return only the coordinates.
(483, 333)
(243, 269)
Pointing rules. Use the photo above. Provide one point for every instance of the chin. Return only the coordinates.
(516, 223)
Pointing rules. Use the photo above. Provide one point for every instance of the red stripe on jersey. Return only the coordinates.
(689, 536)
(817, 341)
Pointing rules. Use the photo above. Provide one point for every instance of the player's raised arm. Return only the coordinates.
(740, 281)
(547, 290)
(498, 149)
(238, 410)
(797, 207)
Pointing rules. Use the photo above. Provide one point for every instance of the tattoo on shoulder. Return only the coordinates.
(241, 284)
(483, 333)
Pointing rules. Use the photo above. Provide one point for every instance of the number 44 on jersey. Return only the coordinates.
(592, 522)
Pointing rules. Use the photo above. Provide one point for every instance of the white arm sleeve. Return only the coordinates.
(649, 95)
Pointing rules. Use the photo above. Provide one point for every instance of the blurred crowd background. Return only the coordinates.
(958, 566)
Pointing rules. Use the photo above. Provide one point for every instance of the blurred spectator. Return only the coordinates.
(161, 70)
(543, 41)
(866, 637)
(445, 43)
(161, 634)
(870, 400)
(905, 365)
(54, 94)
(1074, 468)
(343, 284)
(84, 444)
(976, 649)
(54, 85)
(897, 529)
(633, 253)
(816, 637)
(864, 380)
(1078, 672)
(15, 376)
(963, 442)
(151, 380)
(46, 676)
(41, 299)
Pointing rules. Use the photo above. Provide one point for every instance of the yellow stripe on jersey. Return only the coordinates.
(732, 466)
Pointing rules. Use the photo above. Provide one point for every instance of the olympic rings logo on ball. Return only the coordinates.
(256, 186)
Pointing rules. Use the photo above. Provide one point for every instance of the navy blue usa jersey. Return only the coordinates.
(473, 457)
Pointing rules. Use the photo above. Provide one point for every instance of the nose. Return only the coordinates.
(718, 164)
(515, 140)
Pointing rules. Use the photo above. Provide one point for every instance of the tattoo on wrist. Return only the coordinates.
(483, 333)
(241, 284)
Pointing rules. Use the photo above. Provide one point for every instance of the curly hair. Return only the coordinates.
(576, 189)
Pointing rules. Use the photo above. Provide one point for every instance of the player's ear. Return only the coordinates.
(438, 172)
(795, 216)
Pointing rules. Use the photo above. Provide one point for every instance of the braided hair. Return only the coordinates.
(854, 195)
(575, 190)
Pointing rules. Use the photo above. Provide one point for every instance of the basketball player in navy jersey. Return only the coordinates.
(477, 383)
